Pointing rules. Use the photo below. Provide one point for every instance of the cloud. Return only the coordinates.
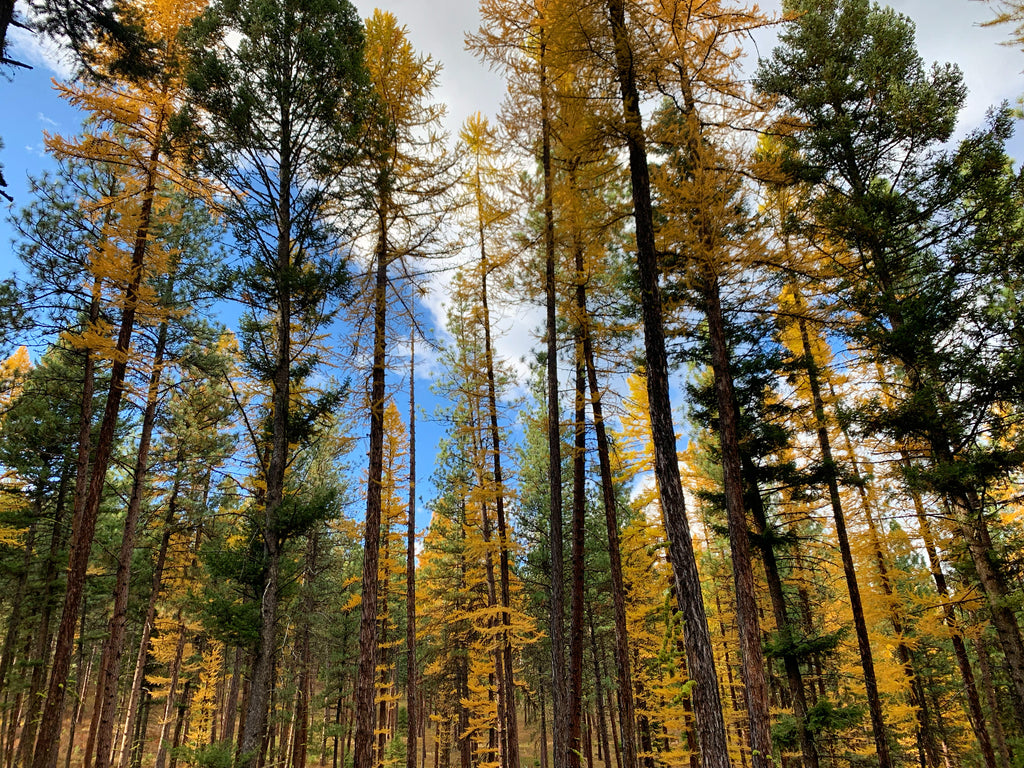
(40, 52)
(47, 121)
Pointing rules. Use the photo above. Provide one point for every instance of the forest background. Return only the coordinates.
(482, 731)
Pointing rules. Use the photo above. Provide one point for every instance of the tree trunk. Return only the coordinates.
(706, 701)
(559, 681)
(927, 748)
(383, 660)
(17, 601)
(849, 570)
(615, 736)
(366, 679)
(411, 688)
(81, 686)
(751, 656)
(113, 645)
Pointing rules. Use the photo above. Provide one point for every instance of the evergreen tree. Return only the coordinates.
(926, 234)
(279, 93)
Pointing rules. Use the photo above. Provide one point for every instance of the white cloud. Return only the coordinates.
(47, 121)
(40, 52)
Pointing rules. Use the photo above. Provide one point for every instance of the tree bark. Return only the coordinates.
(849, 570)
(86, 512)
(367, 674)
(559, 681)
(411, 688)
(710, 724)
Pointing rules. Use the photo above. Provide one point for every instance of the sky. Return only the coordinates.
(947, 30)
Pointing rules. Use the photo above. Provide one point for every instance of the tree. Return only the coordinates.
(491, 214)
(406, 176)
(131, 134)
(707, 706)
(281, 108)
(924, 235)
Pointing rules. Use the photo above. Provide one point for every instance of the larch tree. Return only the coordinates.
(133, 135)
(406, 176)
(491, 213)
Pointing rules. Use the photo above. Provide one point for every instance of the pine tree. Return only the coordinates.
(280, 111)
(917, 259)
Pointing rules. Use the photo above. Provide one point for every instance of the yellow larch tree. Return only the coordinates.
(129, 131)
(408, 174)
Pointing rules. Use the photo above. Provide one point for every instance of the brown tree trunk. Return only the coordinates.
(113, 645)
(849, 570)
(383, 659)
(465, 742)
(559, 680)
(17, 601)
(87, 512)
(367, 674)
(81, 686)
(411, 688)
(751, 656)
(615, 736)
(706, 701)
